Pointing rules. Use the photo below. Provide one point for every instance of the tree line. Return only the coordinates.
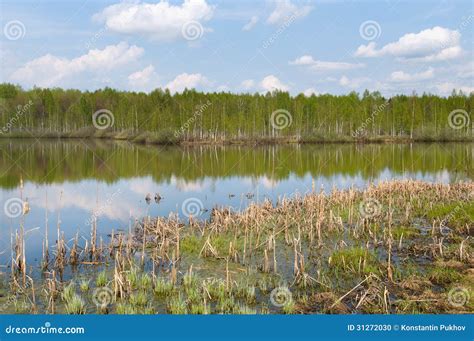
(216, 116)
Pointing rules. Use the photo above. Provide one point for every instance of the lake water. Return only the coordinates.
(69, 181)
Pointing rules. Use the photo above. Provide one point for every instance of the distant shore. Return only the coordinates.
(166, 138)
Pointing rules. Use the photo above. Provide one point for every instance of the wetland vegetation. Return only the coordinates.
(394, 247)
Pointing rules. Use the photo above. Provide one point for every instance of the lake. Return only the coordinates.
(72, 181)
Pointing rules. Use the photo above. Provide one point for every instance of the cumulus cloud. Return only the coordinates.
(48, 70)
(352, 83)
(142, 78)
(161, 21)
(272, 83)
(187, 81)
(401, 76)
(248, 26)
(434, 44)
(285, 9)
(318, 65)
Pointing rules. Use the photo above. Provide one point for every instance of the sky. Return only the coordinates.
(240, 46)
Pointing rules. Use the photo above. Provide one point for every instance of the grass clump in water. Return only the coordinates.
(84, 285)
(356, 259)
(75, 305)
(133, 277)
(138, 299)
(407, 232)
(191, 244)
(145, 282)
(163, 287)
(68, 292)
(177, 306)
(101, 280)
(443, 275)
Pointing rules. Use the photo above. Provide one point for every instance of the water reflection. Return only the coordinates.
(72, 181)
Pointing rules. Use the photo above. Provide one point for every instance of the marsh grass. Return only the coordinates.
(177, 305)
(84, 285)
(68, 292)
(354, 259)
(75, 305)
(138, 299)
(163, 287)
(101, 280)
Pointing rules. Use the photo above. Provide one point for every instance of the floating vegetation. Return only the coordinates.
(391, 248)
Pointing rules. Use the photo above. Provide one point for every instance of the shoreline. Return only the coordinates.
(149, 139)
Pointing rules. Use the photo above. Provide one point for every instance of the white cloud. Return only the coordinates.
(352, 83)
(48, 70)
(435, 44)
(248, 26)
(310, 91)
(272, 83)
(142, 78)
(318, 65)
(187, 81)
(248, 84)
(161, 21)
(401, 76)
(285, 9)
(368, 50)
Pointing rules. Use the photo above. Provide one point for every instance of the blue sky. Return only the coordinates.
(392, 46)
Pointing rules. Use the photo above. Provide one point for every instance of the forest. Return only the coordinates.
(192, 116)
